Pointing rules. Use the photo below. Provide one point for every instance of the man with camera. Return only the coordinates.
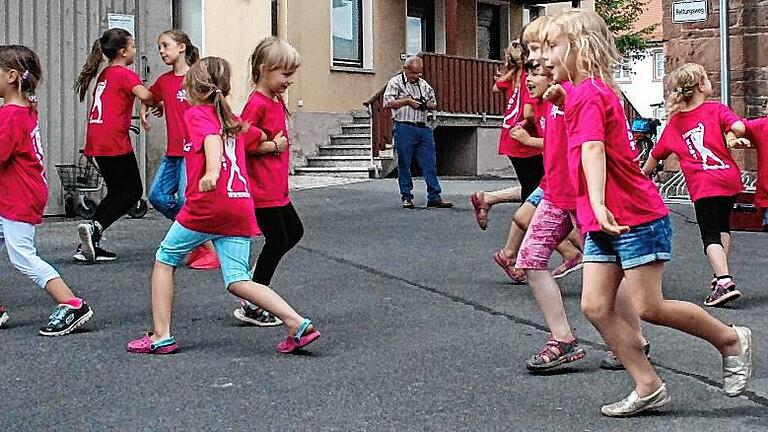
(410, 98)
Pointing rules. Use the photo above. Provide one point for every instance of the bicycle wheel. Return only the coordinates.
(139, 210)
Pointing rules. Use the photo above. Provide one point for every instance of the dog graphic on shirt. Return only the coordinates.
(234, 171)
(694, 139)
(98, 106)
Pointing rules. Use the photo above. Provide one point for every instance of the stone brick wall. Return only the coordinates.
(700, 42)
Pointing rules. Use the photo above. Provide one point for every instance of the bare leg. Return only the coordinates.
(598, 301)
(162, 300)
(510, 194)
(265, 298)
(59, 290)
(550, 301)
(627, 312)
(718, 259)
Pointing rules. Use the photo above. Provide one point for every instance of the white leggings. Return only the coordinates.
(19, 239)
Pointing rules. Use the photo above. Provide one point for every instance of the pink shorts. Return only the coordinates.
(549, 227)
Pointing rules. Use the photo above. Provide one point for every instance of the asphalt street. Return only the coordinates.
(421, 332)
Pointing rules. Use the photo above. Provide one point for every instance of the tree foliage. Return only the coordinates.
(621, 16)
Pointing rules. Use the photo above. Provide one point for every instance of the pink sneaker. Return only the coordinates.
(204, 260)
(568, 267)
(144, 345)
(293, 343)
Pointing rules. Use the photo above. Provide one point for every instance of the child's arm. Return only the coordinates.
(520, 134)
(593, 164)
(555, 94)
(144, 95)
(214, 150)
(734, 141)
(650, 165)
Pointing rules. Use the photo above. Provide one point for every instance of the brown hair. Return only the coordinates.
(682, 84)
(191, 53)
(208, 81)
(109, 44)
(24, 61)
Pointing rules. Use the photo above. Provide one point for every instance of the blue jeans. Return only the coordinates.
(643, 244)
(234, 252)
(416, 142)
(169, 186)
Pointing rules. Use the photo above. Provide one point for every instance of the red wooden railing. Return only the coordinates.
(462, 85)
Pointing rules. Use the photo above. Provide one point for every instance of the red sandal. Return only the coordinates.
(481, 209)
(508, 265)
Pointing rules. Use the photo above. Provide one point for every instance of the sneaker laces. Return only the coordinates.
(58, 315)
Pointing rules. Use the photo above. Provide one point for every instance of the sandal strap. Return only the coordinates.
(302, 328)
(162, 343)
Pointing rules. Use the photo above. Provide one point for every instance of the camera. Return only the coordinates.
(422, 104)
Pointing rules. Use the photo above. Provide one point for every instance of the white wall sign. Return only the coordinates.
(125, 22)
(689, 11)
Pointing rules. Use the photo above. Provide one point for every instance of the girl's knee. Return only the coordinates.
(594, 310)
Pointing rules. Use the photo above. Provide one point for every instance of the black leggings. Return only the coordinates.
(529, 172)
(121, 175)
(282, 230)
(713, 214)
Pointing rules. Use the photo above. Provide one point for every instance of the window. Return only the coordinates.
(658, 65)
(420, 26)
(347, 30)
(623, 72)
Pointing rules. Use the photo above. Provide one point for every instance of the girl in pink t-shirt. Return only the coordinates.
(25, 187)
(694, 133)
(218, 208)
(107, 139)
(273, 65)
(629, 233)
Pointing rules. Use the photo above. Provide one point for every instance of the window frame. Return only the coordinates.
(349, 63)
(656, 76)
(624, 67)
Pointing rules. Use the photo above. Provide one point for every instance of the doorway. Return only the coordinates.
(490, 43)
(420, 26)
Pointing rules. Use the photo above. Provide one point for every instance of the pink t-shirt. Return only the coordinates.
(696, 137)
(267, 173)
(517, 97)
(757, 133)
(22, 173)
(228, 209)
(560, 192)
(593, 112)
(539, 119)
(169, 88)
(110, 116)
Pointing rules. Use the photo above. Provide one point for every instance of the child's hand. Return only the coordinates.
(520, 134)
(555, 94)
(281, 142)
(208, 182)
(739, 143)
(143, 116)
(608, 223)
(157, 110)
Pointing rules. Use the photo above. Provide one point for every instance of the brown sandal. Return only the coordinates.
(481, 209)
(508, 265)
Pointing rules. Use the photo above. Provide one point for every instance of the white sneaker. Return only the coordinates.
(634, 404)
(88, 249)
(737, 370)
(4, 317)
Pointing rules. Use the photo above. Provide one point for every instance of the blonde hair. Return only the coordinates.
(534, 32)
(273, 53)
(208, 81)
(593, 42)
(682, 85)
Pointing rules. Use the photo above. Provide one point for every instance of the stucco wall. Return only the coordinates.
(232, 29)
(642, 89)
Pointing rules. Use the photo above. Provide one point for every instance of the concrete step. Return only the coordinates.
(359, 118)
(344, 150)
(351, 139)
(339, 161)
(356, 129)
(334, 171)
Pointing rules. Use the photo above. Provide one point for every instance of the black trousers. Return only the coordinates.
(124, 189)
(529, 172)
(282, 230)
(713, 214)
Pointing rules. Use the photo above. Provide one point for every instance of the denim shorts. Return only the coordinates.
(643, 244)
(535, 196)
(234, 252)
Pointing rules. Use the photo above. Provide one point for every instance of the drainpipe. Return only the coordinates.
(725, 54)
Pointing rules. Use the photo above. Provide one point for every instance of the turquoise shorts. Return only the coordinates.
(234, 252)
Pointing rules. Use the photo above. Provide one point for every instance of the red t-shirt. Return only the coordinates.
(560, 191)
(169, 88)
(110, 116)
(517, 97)
(757, 133)
(22, 172)
(696, 137)
(267, 173)
(593, 112)
(228, 209)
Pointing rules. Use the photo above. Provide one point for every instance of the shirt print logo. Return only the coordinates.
(514, 104)
(694, 139)
(97, 111)
(234, 171)
(181, 95)
(37, 147)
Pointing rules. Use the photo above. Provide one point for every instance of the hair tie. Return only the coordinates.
(25, 75)
(218, 91)
(32, 98)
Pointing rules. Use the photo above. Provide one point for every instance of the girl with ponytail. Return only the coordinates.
(107, 139)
